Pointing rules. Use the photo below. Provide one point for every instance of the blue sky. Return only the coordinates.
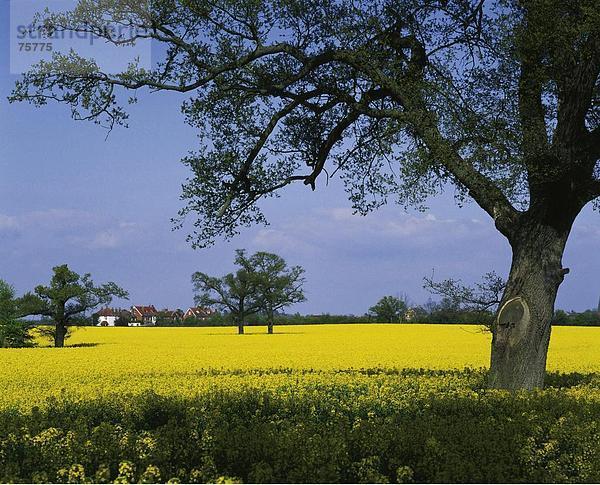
(69, 195)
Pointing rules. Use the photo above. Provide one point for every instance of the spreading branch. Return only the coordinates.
(446, 92)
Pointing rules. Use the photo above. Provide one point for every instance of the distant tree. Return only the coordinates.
(68, 297)
(235, 293)
(13, 331)
(8, 304)
(418, 313)
(169, 318)
(123, 320)
(560, 317)
(390, 309)
(585, 318)
(277, 285)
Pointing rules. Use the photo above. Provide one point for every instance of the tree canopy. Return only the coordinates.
(13, 331)
(396, 97)
(277, 285)
(8, 303)
(389, 309)
(262, 282)
(235, 293)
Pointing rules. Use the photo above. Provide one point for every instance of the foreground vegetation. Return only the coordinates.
(325, 403)
(359, 427)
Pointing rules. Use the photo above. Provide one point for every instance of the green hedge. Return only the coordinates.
(421, 426)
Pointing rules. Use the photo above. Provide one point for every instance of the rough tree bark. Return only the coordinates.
(59, 335)
(521, 333)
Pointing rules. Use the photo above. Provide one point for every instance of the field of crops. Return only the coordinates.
(330, 403)
(185, 361)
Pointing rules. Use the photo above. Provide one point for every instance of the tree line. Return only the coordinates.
(255, 293)
(262, 284)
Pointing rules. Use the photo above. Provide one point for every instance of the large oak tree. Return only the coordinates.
(400, 98)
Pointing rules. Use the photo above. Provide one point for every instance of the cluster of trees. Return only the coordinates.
(392, 309)
(256, 293)
(261, 284)
(586, 318)
(63, 303)
(459, 303)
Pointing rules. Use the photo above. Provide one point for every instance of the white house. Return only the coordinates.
(107, 317)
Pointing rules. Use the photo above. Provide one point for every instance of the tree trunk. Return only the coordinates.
(521, 331)
(270, 320)
(59, 335)
(240, 328)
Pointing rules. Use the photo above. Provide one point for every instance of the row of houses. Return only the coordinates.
(140, 315)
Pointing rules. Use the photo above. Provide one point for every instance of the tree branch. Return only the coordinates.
(593, 143)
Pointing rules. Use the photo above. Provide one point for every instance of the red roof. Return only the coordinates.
(145, 310)
(199, 311)
(107, 312)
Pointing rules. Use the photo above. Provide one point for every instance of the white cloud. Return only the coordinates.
(128, 225)
(54, 227)
(340, 214)
(391, 223)
(327, 229)
(282, 240)
(105, 240)
(8, 222)
(586, 231)
(51, 219)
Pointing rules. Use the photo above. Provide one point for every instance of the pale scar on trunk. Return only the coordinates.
(513, 320)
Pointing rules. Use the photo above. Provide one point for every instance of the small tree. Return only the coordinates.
(390, 309)
(483, 298)
(13, 332)
(235, 293)
(68, 297)
(277, 286)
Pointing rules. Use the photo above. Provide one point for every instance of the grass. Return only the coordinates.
(190, 361)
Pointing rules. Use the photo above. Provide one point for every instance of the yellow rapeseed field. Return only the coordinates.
(187, 361)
